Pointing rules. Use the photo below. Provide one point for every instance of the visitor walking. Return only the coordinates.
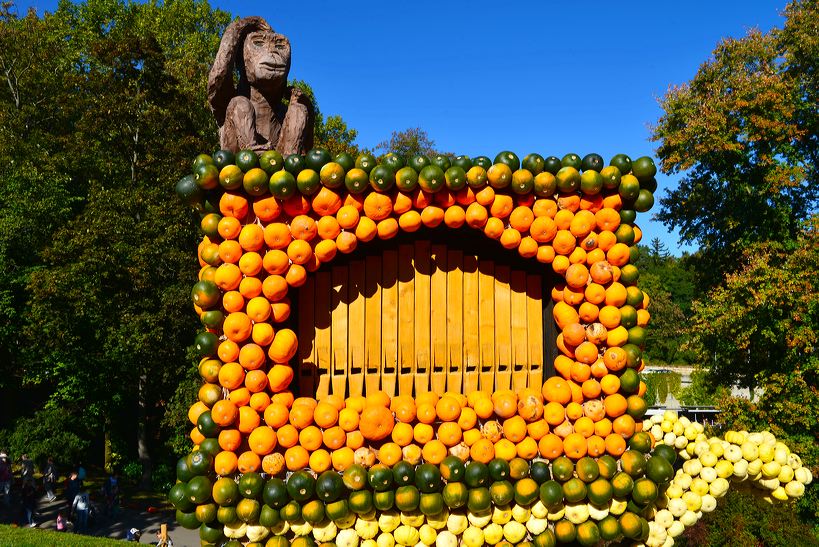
(29, 501)
(27, 471)
(72, 487)
(60, 522)
(5, 477)
(110, 490)
(80, 509)
(80, 472)
(49, 479)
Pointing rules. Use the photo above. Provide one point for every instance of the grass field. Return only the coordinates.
(11, 536)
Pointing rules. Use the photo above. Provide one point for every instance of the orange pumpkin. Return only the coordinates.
(376, 423)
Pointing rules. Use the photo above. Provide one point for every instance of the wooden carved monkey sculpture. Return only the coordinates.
(252, 114)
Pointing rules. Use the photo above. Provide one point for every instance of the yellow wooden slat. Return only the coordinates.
(338, 303)
(454, 320)
(520, 344)
(323, 334)
(486, 324)
(372, 324)
(389, 321)
(356, 337)
(307, 354)
(406, 319)
(438, 334)
(423, 348)
(503, 330)
(534, 316)
(471, 304)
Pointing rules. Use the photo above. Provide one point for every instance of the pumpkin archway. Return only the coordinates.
(572, 232)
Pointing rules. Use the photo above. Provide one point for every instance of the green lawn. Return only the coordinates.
(11, 536)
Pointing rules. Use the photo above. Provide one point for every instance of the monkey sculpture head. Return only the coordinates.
(265, 59)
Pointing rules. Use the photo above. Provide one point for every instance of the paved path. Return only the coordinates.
(113, 527)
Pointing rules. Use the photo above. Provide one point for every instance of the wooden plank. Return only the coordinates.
(438, 334)
(323, 335)
(423, 348)
(372, 320)
(454, 321)
(471, 304)
(389, 321)
(307, 325)
(338, 305)
(550, 332)
(356, 329)
(534, 335)
(406, 319)
(503, 330)
(520, 346)
(486, 324)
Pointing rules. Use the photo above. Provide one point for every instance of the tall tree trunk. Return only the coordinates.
(109, 453)
(134, 157)
(142, 437)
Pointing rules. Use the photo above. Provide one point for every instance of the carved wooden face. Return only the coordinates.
(267, 58)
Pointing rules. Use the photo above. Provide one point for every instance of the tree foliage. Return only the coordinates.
(330, 132)
(763, 319)
(105, 105)
(102, 107)
(703, 391)
(751, 521)
(743, 134)
(48, 433)
(669, 282)
(760, 330)
(408, 143)
(661, 384)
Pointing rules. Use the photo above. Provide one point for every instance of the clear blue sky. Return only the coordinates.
(481, 77)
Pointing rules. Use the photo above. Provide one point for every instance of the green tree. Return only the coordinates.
(763, 319)
(743, 135)
(335, 135)
(104, 109)
(408, 143)
(759, 330)
(668, 280)
(703, 391)
(330, 132)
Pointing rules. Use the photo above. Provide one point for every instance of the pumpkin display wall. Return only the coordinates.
(437, 351)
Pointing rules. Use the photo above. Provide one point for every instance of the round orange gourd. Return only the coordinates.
(376, 423)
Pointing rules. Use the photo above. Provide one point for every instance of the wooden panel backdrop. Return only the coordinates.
(420, 317)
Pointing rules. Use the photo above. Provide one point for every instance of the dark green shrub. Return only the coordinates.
(50, 432)
(744, 519)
